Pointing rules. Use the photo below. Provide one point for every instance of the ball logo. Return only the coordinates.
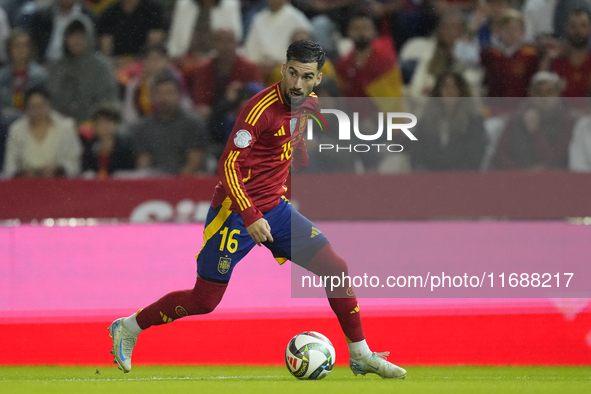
(242, 139)
(180, 311)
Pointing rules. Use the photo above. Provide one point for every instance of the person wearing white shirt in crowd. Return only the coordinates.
(270, 33)
(42, 143)
(579, 155)
(194, 20)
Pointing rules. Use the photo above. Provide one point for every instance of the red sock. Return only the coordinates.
(201, 300)
(342, 300)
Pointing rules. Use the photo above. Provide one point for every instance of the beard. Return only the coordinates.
(295, 101)
(362, 43)
(578, 42)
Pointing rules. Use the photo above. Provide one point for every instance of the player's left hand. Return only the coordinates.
(260, 231)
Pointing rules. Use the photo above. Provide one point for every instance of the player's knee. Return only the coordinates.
(328, 263)
(208, 295)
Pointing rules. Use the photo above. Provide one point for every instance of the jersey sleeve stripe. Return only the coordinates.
(254, 109)
(232, 178)
(263, 110)
(238, 189)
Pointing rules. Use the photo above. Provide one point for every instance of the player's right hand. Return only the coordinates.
(260, 231)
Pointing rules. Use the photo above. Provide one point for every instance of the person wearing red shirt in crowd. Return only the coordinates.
(372, 62)
(538, 137)
(509, 65)
(211, 80)
(574, 67)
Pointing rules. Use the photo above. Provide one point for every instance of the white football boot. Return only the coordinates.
(123, 343)
(376, 363)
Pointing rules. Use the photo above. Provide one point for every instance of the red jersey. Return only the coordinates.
(204, 80)
(509, 76)
(355, 79)
(578, 79)
(255, 164)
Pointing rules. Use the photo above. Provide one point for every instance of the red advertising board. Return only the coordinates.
(520, 195)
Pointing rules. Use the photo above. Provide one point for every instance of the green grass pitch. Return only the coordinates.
(277, 380)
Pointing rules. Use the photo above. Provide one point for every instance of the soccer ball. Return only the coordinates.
(309, 356)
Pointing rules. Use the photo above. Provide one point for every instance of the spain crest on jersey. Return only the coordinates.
(224, 265)
(303, 122)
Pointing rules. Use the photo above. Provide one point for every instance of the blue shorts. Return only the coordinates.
(226, 241)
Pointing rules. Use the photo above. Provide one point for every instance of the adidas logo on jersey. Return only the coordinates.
(315, 232)
(280, 132)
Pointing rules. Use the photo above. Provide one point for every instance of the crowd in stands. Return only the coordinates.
(100, 88)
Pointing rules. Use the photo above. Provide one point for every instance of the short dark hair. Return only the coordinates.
(37, 89)
(459, 80)
(107, 111)
(306, 51)
(361, 13)
(167, 76)
(76, 26)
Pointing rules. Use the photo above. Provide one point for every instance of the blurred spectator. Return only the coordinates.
(329, 21)
(508, 63)
(579, 155)
(20, 74)
(127, 26)
(371, 68)
(81, 79)
(425, 58)
(328, 70)
(562, 11)
(111, 149)
(139, 79)
(575, 65)
(538, 136)
(270, 34)
(485, 19)
(170, 140)
(406, 18)
(4, 33)
(225, 114)
(194, 21)
(545, 18)
(210, 82)
(42, 143)
(450, 132)
(47, 26)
